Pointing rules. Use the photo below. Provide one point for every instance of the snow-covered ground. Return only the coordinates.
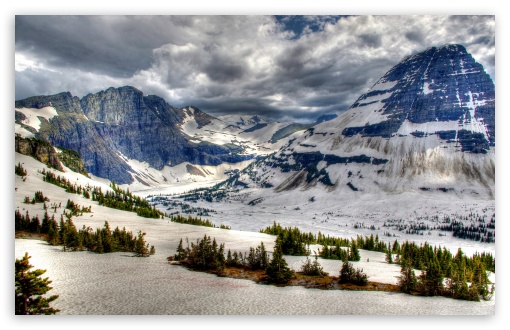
(113, 284)
(119, 284)
(32, 119)
(337, 215)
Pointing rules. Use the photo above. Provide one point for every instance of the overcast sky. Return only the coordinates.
(282, 68)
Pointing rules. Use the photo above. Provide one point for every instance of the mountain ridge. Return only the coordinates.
(426, 125)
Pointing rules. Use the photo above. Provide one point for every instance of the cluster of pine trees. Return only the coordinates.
(124, 200)
(371, 243)
(337, 252)
(206, 254)
(472, 226)
(38, 198)
(313, 268)
(62, 182)
(19, 170)
(100, 241)
(350, 275)
(465, 277)
(458, 276)
(25, 223)
(118, 199)
(294, 241)
(76, 209)
(196, 221)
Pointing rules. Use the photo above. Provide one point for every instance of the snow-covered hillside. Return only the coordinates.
(252, 134)
(114, 283)
(414, 154)
(29, 120)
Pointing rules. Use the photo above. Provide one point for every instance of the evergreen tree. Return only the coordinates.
(354, 253)
(407, 279)
(389, 258)
(349, 275)
(430, 282)
(141, 248)
(277, 271)
(313, 268)
(30, 290)
(346, 272)
(229, 260)
(19, 170)
(181, 252)
(457, 286)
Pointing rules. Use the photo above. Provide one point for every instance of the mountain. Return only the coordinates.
(242, 120)
(324, 118)
(427, 125)
(125, 136)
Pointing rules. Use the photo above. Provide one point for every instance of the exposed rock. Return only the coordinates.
(111, 126)
(38, 149)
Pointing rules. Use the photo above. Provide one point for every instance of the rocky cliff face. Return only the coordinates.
(438, 85)
(119, 123)
(39, 149)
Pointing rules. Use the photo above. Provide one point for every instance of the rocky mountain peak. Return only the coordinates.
(426, 125)
(441, 84)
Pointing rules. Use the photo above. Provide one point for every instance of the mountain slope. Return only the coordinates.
(427, 125)
(111, 128)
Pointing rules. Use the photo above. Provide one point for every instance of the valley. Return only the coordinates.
(413, 159)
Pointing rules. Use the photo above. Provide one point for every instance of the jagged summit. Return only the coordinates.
(123, 134)
(442, 84)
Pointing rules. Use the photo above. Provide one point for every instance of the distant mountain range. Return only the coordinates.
(428, 124)
(121, 133)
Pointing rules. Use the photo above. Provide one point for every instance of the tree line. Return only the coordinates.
(196, 221)
(118, 198)
(206, 254)
(65, 234)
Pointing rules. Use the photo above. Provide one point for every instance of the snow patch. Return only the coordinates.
(32, 115)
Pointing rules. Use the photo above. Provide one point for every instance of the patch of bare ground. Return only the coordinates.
(299, 279)
(26, 235)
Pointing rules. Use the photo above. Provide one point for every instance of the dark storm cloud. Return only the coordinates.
(371, 40)
(416, 36)
(113, 45)
(223, 71)
(284, 68)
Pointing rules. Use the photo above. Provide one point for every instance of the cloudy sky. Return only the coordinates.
(281, 67)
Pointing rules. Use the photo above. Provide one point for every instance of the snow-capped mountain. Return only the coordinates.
(125, 136)
(427, 125)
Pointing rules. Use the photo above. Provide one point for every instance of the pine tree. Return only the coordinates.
(354, 253)
(346, 272)
(313, 268)
(29, 290)
(431, 280)
(277, 271)
(407, 279)
(181, 252)
(141, 248)
(389, 258)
